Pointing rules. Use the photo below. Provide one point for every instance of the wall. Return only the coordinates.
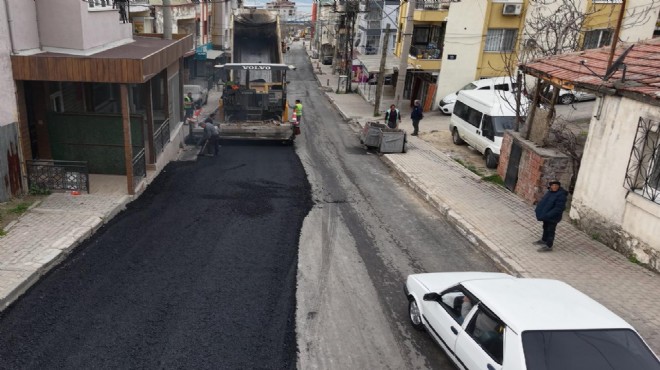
(639, 20)
(601, 205)
(86, 29)
(24, 25)
(9, 157)
(536, 168)
(496, 64)
(463, 39)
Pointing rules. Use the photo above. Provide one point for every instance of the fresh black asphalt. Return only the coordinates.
(198, 272)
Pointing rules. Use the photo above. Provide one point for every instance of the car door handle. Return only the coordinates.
(490, 367)
(453, 330)
(479, 132)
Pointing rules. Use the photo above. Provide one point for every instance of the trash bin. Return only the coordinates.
(371, 134)
(393, 140)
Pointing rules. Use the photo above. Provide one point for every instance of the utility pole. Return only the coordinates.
(381, 71)
(403, 53)
(615, 37)
(167, 20)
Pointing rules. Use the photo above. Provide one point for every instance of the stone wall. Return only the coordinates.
(614, 236)
(537, 166)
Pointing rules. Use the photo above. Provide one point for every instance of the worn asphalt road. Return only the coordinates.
(199, 272)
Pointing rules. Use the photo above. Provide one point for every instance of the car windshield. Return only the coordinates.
(469, 86)
(586, 350)
(501, 123)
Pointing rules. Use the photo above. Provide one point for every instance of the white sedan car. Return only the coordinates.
(491, 321)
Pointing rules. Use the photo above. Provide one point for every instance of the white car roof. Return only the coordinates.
(500, 103)
(493, 80)
(543, 304)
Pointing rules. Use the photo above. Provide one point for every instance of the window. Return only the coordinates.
(503, 87)
(457, 303)
(586, 350)
(501, 39)
(597, 38)
(643, 173)
(474, 118)
(488, 331)
(420, 35)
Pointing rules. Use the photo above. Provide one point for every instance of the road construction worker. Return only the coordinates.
(188, 105)
(299, 110)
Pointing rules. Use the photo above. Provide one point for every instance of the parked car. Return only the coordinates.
(480, 119)
(387, 80)
(485, 320)
(200, 95)
(570, 96)
(327, 60)
(446, 105)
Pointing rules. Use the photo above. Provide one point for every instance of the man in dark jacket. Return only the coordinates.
(416, 115)
(549, 210)
(211, 136)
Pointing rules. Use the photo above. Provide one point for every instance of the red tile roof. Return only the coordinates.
(585, 70)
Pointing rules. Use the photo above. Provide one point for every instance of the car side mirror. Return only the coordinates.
(432, 297)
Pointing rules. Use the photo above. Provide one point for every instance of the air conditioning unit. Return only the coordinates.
(512, 9)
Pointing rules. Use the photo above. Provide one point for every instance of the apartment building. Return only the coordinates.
(372, 22)
(84, 96)
(286, 9)
(326, 33)
(454, 43)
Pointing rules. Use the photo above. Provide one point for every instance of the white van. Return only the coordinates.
(446, 105)
(480, 118)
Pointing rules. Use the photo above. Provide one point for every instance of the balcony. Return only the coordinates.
(431, 10)
(427, 57)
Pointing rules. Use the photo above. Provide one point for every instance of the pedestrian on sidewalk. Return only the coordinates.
(416, 115)
(393, 117)
(211, 135)
(549, 210)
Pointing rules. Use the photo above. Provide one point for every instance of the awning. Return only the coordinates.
(372, 63)
(212, 54)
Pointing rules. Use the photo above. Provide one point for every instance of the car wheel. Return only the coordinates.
(415, 315)
(456, 138)
(567, 99)
(491, 159)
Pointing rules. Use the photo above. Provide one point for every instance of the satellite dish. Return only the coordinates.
(617, 63)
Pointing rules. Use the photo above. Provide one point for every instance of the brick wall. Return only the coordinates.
(537, 166)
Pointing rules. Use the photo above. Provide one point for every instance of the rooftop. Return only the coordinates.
(585, 69)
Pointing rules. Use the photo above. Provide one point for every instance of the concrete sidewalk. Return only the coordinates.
(504, 227)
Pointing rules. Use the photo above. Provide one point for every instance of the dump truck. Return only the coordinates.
(254, 99)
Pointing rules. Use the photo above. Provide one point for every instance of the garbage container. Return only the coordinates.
(393, 140)
(371, 134)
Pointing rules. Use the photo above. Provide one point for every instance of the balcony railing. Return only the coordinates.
(139, 168)
(426, 52)
(57, 175)
(432, 4)
(162, 136)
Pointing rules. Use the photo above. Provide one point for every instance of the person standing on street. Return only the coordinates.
(188, 106)
(298, 107)
(211, 135)
(416, 115)
(392, 117)
(549, 210)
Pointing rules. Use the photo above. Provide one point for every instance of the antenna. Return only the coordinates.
(617, 63)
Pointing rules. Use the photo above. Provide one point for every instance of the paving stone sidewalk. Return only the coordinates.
(46, 234)
(504, 227)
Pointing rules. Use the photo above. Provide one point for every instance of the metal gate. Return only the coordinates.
(511, 178)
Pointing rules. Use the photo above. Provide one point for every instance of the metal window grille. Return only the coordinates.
(643, 173)
(501, 39)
